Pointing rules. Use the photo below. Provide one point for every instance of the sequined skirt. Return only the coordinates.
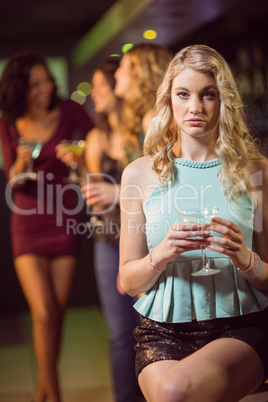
(164, 341)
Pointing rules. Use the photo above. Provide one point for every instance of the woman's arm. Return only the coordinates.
(97, 190)
(134, 267)
(93, 151)
(16, 158)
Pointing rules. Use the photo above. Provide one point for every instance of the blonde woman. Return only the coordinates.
(202, 338)
(105, 158)
(138, 77)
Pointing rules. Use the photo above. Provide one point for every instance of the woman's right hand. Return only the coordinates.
(180, 238)
(20, 165)
(23, 158)
(101, 193)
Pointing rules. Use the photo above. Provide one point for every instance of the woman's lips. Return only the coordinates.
(195, 122)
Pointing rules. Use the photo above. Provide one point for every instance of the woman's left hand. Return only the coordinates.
(231, 243)
(64, 155)
(101, 193)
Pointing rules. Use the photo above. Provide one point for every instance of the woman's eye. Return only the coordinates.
(34, 85)
(209, 94)
(182, 95)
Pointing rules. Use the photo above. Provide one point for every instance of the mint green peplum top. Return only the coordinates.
(177, 296)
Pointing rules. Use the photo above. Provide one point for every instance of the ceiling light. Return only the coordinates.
(79, 97)
(126, 47)
(150, 34)
(84, 87)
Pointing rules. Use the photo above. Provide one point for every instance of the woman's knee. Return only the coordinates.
(174, 389)
(45, 318)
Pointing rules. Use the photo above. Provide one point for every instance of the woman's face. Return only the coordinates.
(196, 103)
(102, 94)
(41, 87)
(123, 77)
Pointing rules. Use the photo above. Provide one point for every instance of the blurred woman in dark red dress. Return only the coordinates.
(44, 247)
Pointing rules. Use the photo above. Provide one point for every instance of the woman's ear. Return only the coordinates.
(136, 68)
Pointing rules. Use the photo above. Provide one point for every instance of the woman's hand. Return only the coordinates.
(17, 171)
(231, 243)
(181, 237)
(24, 155)
(101, 193)
(64, 155)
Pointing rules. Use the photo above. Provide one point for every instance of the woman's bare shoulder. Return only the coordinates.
(139, 171)
(139, 178)
(94, 134)
(257, 163)
(257, 168)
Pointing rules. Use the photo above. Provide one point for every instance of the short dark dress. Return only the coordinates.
(43, 212)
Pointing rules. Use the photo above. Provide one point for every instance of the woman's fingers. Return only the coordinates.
(183, 237)
(64, 155)
(184, 230)
(226, 242)
(231, 242)
(231, 238)
(92, 193)
(224, 224)
(221, 249)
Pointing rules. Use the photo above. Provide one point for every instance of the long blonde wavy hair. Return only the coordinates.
(152, 61)
(234, 145)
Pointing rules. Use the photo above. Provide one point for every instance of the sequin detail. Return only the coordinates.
(163, 341)
(198, 165)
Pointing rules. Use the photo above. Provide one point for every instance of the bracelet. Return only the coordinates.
(151, 263)
(255, 267)
(250, 266)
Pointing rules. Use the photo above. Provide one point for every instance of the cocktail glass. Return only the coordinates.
(36, 147)
(201, 217)
(76, 147)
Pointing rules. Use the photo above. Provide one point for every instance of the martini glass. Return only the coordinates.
(36, 147)
(201, 217)
(76, 147)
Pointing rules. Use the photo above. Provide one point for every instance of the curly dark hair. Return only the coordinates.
(14, 85)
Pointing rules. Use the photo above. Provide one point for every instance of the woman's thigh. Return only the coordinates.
(223, 370)
(34, 278)
(61, 273)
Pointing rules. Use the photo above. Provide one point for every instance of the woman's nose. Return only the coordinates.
(195, 105)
